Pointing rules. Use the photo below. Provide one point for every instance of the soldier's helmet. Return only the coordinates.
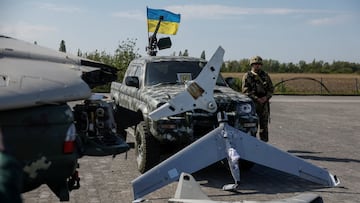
(256, 59)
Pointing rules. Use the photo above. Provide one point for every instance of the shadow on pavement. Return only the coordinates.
(320, 158)
(258, 180)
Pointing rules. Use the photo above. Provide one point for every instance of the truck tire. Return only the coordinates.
(146, 148)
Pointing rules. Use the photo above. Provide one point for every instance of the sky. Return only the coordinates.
(283, 30)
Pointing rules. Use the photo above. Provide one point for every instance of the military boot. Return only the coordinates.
(264, 135)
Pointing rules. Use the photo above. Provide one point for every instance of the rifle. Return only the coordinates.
(257, 77)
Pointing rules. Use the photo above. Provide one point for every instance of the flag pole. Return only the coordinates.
(147, 24)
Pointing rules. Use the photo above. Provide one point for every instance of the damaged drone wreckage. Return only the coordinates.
(223, 142)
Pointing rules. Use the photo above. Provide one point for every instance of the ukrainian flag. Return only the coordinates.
(169, 25)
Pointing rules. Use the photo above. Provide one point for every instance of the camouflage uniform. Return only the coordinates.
(256, 85)
(10, 177)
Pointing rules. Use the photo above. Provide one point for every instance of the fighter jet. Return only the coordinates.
(224, 142)
(40, 130)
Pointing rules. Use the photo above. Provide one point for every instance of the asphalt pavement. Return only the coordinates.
(323, 130)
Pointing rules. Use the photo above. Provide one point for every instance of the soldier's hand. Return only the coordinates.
(262, 100)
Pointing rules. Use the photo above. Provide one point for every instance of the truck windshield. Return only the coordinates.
(174, 72)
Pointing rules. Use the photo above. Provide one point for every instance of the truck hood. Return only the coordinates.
(158, 95)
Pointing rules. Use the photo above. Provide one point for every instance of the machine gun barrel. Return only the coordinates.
(151, 49)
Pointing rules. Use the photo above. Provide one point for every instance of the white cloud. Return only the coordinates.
(216, 11)
(321, 21)
(135, 15)
(57, 8)
(220, 11)
(329, 20)
(26, 31)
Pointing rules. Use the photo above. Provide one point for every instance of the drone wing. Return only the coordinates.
(204, 152)
(198, 93)
(213, 147)
(257, 151)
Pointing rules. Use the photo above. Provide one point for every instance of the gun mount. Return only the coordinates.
(154, 44)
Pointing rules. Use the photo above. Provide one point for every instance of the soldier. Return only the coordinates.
(10, 176)
(258, 86)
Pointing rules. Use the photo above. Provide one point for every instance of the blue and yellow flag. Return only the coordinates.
(169, 24)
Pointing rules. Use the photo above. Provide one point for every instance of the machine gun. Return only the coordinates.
(162, 43)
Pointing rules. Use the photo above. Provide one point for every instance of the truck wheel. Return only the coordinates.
(146, 148)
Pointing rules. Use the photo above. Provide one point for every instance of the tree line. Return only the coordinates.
(274, 66)
(127, 51)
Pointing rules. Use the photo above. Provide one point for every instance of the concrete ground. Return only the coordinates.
(322, 130)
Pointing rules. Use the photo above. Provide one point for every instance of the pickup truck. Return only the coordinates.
(151, 81)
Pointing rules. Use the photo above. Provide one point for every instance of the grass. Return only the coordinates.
(309, 83)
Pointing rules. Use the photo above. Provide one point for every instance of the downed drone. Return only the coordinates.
(224, 141)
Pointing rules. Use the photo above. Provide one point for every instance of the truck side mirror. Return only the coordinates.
(230, 81)
(132, 81)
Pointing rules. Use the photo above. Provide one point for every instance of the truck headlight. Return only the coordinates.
(244, 108)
